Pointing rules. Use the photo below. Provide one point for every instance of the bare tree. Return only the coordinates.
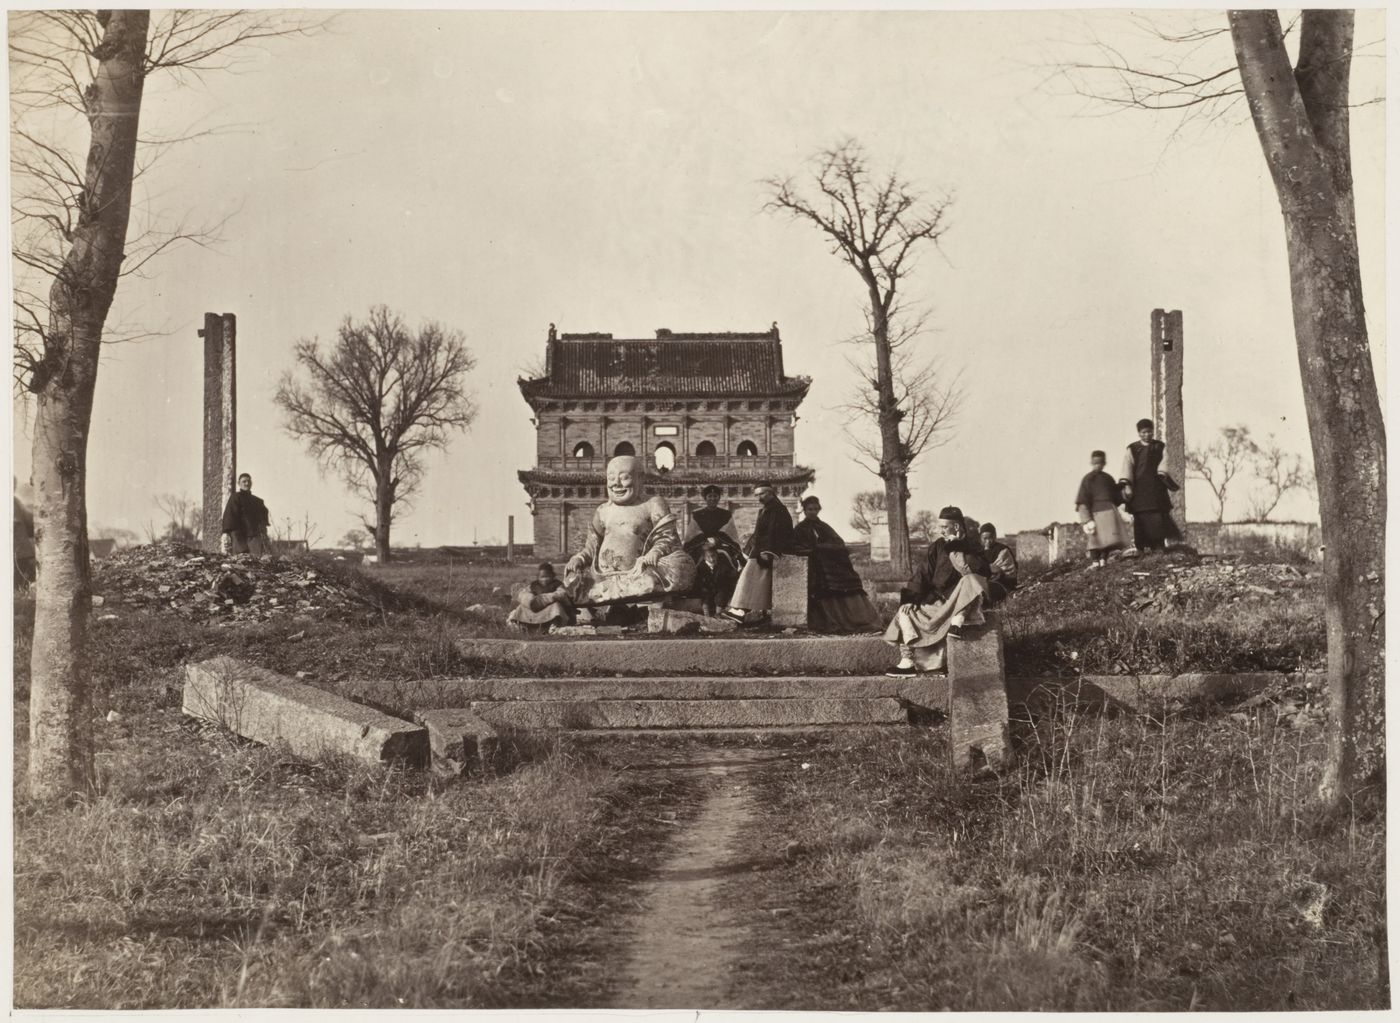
(305, 532)
(185, 522)
(876, 224)
(867, 506)
(77, 84)
(1301, 111)
(356, 540)
(1280, 472)
(923, 527)
(1219, 462)
(375, 402)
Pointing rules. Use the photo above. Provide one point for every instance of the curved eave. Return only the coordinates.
(785, 474)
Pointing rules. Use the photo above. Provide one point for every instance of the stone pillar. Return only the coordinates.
(220, 422)
(879, 539)
(1167, 415)
(978, 716)
(510, 538)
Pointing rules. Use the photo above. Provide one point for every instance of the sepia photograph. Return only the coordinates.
(868, 510)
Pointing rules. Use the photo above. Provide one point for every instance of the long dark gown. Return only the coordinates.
(1151, 503)
(836, 600)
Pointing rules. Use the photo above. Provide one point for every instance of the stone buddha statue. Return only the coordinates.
(633, 550)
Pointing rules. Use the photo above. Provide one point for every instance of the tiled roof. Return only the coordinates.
(671, 364)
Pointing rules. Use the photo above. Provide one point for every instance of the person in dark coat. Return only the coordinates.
(1146, 491)
(771, 539)
(713, 523)
(1001, 560)
(245, 521)
(836, 600)
(1097, 504)
(715, 578)
(948, 590)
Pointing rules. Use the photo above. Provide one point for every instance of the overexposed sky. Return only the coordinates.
(499, 171)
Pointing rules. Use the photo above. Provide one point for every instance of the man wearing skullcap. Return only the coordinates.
(948, 590)
(771, 539)
(1146, 490)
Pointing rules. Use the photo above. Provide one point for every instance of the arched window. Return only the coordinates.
(583, 449)
(705, 449)
(665, 457)
(747, 449)
(624, 448)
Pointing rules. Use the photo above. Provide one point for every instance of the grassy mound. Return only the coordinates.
(1168, 613)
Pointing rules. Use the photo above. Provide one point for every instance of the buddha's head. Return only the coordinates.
(625, 479)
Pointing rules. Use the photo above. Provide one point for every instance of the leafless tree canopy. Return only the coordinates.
(1219, 462)
(53, 58)
(374, 402)
(1180, 62)
(181, 519)
(864, 506)
(877, 224)
(1278, 472)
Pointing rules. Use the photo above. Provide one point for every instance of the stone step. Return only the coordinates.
(746, 655)
(533, 715)
(925, 690)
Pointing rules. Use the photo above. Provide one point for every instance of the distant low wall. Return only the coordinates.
(1302, 538)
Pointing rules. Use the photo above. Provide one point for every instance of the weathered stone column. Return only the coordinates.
(978, 715)
(220, 421)
(1167, 413)
(879, 537)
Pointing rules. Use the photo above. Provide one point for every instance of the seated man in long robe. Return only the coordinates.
(633, 549)
(836, 600)
(947, 591)
(541, 605)
(712, 526)
(771, 539)
(715, 578)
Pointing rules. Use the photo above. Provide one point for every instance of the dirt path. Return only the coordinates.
(684, 939)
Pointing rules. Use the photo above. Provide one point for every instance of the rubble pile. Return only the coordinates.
(1221, 581)
(200, 586)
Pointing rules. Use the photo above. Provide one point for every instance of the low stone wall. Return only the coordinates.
(1298, 538)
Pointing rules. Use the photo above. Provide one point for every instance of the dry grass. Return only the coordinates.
(213, 873)
(1124, 865)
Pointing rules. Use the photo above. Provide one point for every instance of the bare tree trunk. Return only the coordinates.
(383, 511)
(893, 469)
(60, 713)
(1302, 122)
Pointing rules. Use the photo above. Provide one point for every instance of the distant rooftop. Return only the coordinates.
(673, 363)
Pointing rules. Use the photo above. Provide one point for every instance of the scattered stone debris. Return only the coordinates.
(201, 586)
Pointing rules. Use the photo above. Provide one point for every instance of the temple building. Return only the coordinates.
(698, 409)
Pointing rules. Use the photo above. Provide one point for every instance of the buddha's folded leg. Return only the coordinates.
(675, 572)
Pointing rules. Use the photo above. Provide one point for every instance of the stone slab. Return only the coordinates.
(1146, 693)
(680, 656)
(626, 714)
(977, 707)
(459, 738)
(925, 691)
(679, 623)
(790, 592)
(269, 708)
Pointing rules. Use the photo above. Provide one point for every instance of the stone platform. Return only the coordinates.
(745, 655)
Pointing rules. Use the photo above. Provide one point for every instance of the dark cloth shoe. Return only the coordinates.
(898, 672)
(955, 632)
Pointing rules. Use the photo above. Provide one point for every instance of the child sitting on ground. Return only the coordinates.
(542, 604)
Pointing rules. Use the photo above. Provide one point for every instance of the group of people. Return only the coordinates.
(1142, 489)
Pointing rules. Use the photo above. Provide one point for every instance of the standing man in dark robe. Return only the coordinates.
(245, 521)
(836, 600)
(948, 590)
(771, 539)
(1001, 560)
(1097, 504)
(713, 523)
(1146, 491)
